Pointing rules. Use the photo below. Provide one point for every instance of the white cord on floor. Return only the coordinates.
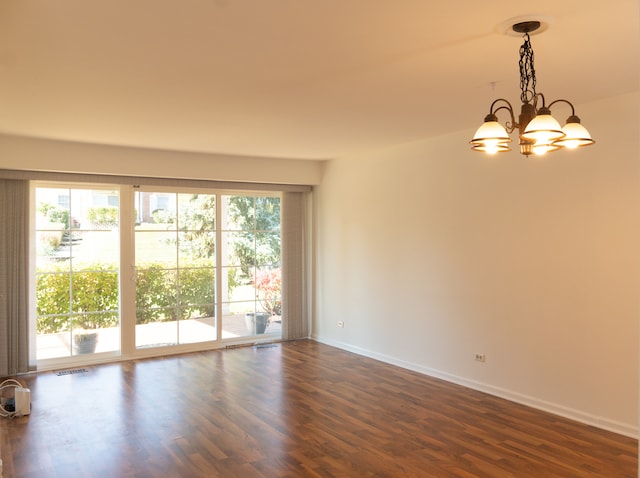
(10, 382)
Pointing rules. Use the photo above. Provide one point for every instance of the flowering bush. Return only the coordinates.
(268, 286)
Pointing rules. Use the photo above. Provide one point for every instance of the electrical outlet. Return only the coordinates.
(340, 323)
(479, 358)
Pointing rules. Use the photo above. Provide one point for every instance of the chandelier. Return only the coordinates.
(538, 131)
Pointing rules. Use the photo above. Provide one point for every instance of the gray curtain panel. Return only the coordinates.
(294, 241)
(14, 277)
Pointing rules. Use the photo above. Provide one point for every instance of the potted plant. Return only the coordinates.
(267, 283)
(95, 303)
(257, 322)
(85, 334)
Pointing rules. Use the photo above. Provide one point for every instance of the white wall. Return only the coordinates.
(430, 253)
(32, 154)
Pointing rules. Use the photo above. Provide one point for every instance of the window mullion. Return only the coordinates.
(127, 272)
(218, 268)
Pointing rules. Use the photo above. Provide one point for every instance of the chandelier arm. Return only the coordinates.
(510, 126)
(535, 100)
(495, 102)
(562, 100)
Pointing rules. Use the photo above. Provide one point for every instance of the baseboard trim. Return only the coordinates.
(533, 402)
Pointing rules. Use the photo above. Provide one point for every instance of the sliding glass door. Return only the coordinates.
(250, 258)
(181, 270)
(175, 251)
(122, 270)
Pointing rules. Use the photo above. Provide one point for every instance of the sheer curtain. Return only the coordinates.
(14, 281)
(294, 240)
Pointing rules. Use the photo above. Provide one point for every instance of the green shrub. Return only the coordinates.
(95, 298)
(55, 214)
(156, 293)
(161, 216)
(197, 290)
(164, 294)
(103, 216)
(160, 295)
(53, 301)
(94, 303)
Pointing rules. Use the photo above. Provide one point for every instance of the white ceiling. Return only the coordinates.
(307, 79)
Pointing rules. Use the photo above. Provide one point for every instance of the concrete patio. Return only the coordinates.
(156, 334)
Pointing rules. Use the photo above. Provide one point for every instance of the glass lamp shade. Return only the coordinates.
(576, 135)
(543, 129)
(491, 147)
(540, 149)
(491, 138)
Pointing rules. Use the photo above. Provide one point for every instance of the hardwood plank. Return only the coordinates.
(299, 409)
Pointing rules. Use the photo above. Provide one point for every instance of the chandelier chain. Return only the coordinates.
(527, 72)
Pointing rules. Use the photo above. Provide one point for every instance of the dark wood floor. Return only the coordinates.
(291, 410)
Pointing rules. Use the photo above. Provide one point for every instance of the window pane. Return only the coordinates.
(89, 246)
(155, 247)
(267, 286)
(197, 247)
(94, 291)
(52, 206)
(239, 248)
(267, 249)
(267, 214)
(175, 261)
(95, 332)
(197, 212)
(156, 287)
(251, 257)
(77, 277)
(156, 208)
(241, 213)
(197, 288)
(156, 327)
(53, 308)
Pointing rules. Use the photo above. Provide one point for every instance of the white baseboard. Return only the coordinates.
(560, 410)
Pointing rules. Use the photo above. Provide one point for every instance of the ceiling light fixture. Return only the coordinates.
(538, 131)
